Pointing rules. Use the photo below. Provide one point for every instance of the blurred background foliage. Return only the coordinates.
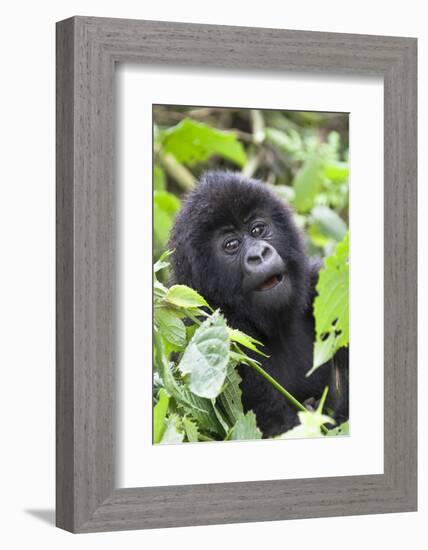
(301, 156)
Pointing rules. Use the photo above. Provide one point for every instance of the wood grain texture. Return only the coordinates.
(87, 50)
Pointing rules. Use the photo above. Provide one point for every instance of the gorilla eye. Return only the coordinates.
(258, 230)
(231, 245)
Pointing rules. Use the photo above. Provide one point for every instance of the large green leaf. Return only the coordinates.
(206, 357)
(308, 182)
(202, 410)
(191, 142)
(246, 428)
(331, 306)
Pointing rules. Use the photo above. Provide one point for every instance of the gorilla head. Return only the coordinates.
(236, 243)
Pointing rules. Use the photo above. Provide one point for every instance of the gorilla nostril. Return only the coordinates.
(266, 252)
(258, 255)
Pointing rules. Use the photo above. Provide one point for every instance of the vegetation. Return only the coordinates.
(303, 157)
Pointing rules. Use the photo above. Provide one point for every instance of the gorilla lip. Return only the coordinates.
(270, 283)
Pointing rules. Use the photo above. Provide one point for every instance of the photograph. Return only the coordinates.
(210, 272)
(251, 258)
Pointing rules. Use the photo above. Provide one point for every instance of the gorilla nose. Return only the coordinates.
(258, 254)
(262, 265)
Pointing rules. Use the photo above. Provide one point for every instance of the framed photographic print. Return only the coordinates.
(236, 274)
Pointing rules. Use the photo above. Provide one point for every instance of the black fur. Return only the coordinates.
(285, 325)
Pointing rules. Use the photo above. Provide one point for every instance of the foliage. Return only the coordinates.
(197, 393)
(311, 422)
(331, 306)
(191, 142)
(199, 396)
(303, 158)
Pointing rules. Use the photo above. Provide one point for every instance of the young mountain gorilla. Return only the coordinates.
(236, 243)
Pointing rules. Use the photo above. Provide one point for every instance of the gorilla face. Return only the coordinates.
(249, 253)
(236, 243)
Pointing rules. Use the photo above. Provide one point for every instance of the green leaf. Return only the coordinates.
(206, 357)
(202, 410)
(331, 306)
(318, 239)
(343, 429)
(311, 422)
(161, 263)
(221, 420)
(159, 414)
(336, 171)
(159, 290)
(173, 432)
(191, 142)
(310, 425)
(184, 296)
(159, 180)
(191, 430)
(171, 327)
(245, 340)
(162, 226)
(329, 223)
(165, 207)
(246, 428)
(168, 202)
(230, 399)
(308, 182)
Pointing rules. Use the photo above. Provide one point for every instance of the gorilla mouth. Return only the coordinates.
(270, 283)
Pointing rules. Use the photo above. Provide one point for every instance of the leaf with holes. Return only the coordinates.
(331, 306)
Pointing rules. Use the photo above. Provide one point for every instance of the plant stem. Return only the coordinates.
(194, 318)
(290, 398)
(178, 172)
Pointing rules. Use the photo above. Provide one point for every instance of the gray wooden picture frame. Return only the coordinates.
(87, 51)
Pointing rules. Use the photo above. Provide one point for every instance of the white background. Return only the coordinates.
(27, 286)
(362, 453)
